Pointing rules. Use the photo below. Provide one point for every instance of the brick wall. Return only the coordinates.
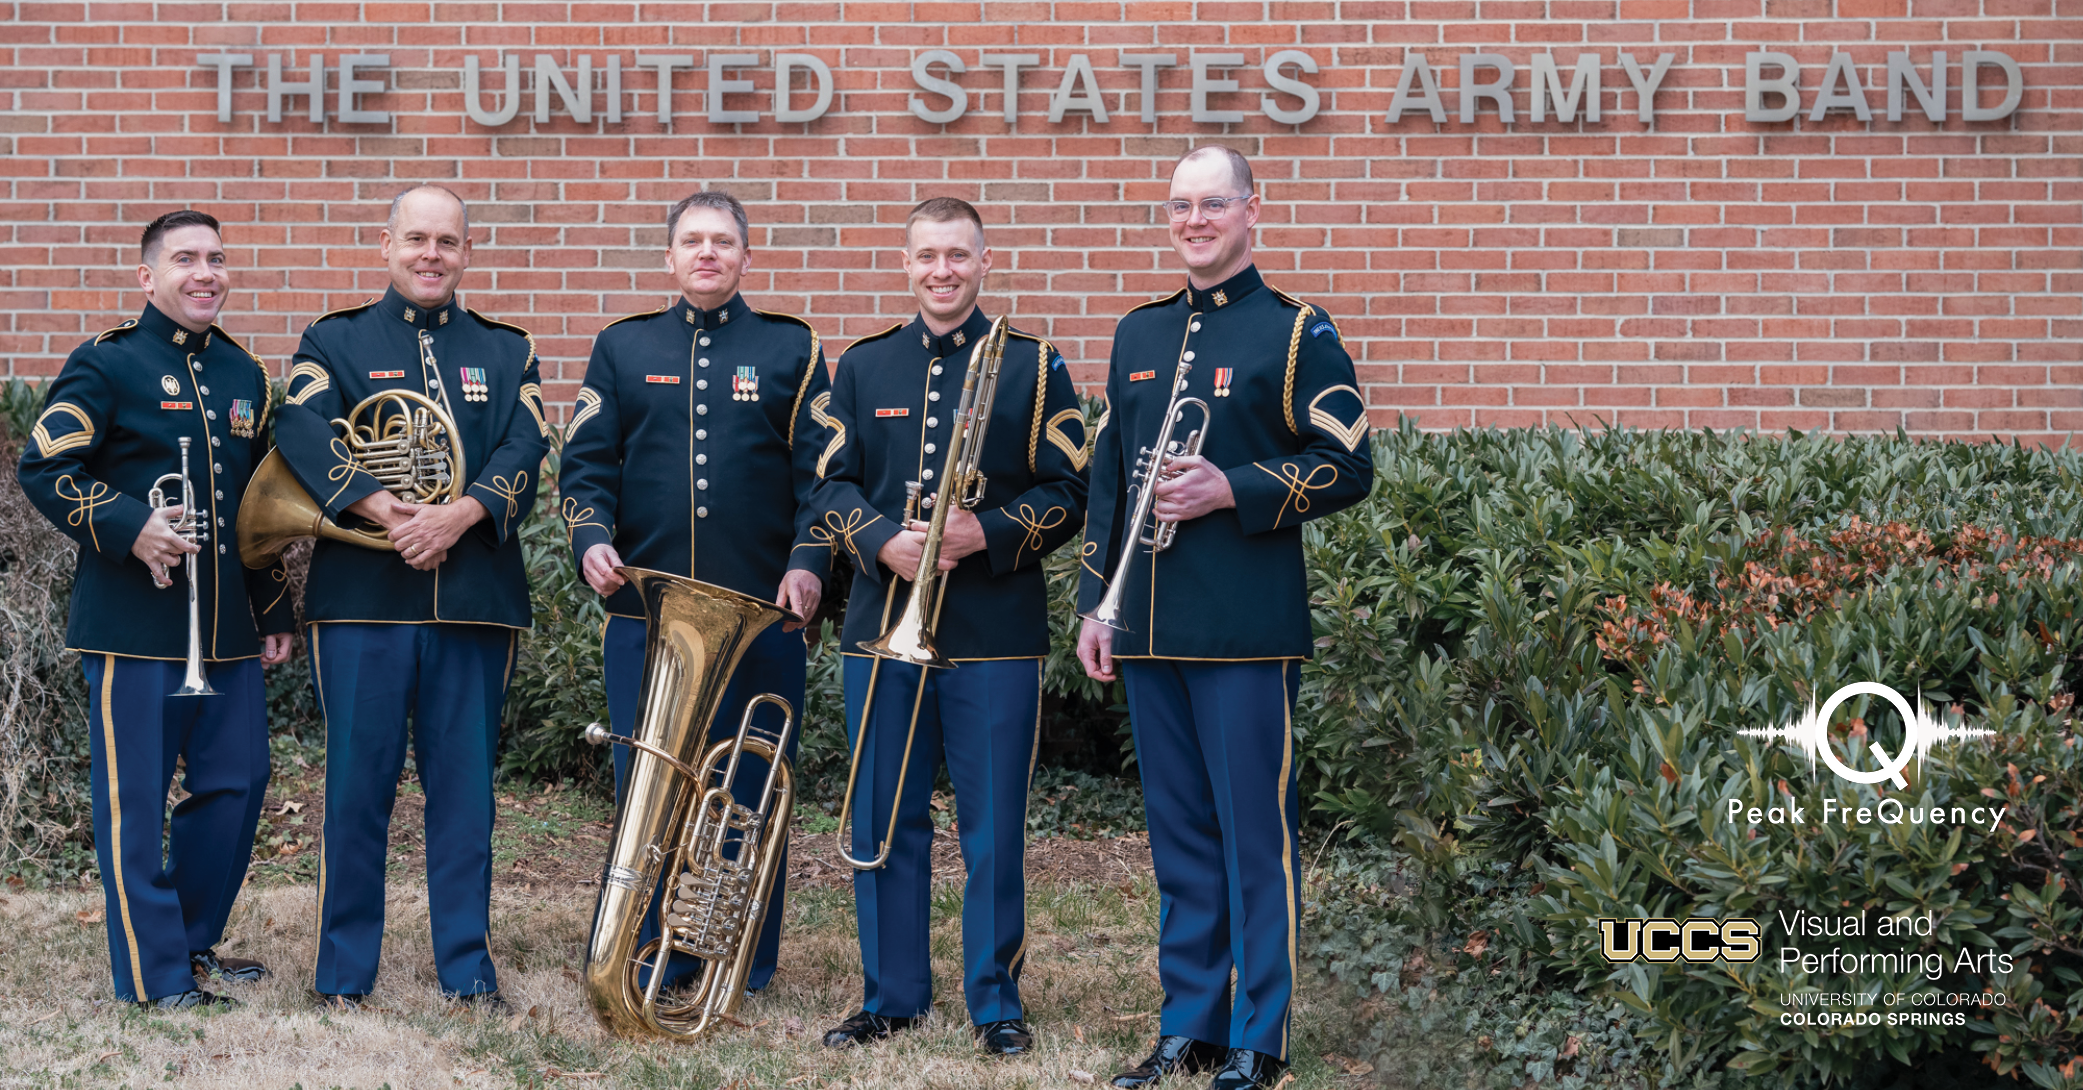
(1696, 271)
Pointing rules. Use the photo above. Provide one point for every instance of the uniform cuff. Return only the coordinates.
(1260, 497)
(1002, 538)
(868, 541)
(583, 538)
(358, 489)
(114, 533)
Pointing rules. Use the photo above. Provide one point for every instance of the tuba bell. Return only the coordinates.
(677, 818)
(403, 438)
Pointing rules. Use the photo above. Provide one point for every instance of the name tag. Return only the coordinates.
(386, 374)
(669, 380)
(1139, 376)
(177, 404)
(892, 412)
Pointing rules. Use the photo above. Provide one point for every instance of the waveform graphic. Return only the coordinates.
(1921, 731)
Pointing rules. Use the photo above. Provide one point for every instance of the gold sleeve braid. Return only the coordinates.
(1294, 349)
(1041, 398)
(809, 369)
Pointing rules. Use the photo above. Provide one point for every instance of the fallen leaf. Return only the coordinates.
(1081, 1076)
(88, 917)
(1570, 1048)
(1477, 943)
(1078, 1032)
(111, 1052)
(290, 806)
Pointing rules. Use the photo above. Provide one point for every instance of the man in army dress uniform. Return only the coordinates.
(1214, 629)
(693, 450)
(426, 630)
(894, 397)
(112, 425)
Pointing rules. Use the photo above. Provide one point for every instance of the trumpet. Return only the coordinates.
(911, 637)
(195, 531)
(1151, 464)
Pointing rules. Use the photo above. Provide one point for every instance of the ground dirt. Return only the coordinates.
(1089, 982)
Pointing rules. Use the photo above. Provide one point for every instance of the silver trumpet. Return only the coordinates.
(1151, 466)
(191, 528)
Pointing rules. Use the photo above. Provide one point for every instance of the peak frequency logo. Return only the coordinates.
(1920, 730)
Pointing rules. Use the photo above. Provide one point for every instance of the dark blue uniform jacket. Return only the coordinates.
(1290, 432)
(694, 447)
(485, 373)
(111, 425)
(894, 396)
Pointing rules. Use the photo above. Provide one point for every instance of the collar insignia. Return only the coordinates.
(925, 340)
(961, 338)
(442, 319)
(411, 315)
(180, 336)
(1221, 300)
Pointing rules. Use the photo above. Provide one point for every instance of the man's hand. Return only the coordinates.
(274, 650)
(900, 554)
(381, 508)
(1192, 488)
(429, 529)
(159, 547)
(599, 569)
(962, 535)
(800, 593)
(1096, 650)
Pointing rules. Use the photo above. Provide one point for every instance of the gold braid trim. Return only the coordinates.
(815, 347)
(1041, 397)
(589, 407)
(1294, 349)
(110, 332)
(46, 446)
(1299, 487)
(820, 415)
(574, 518)
(84, 503)
(510, 491)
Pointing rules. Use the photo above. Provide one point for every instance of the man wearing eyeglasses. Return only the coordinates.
(1211, 632)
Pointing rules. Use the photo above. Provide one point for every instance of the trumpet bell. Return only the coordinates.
(276, 513)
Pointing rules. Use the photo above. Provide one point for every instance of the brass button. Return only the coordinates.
(927, 474)
(701, 410)
(704, 361)
(701, 512)
(701, 459)
(702, 484)
(932, 421)
(933, 395)
(930, 448)
(701, 433)
(705, 342)
(701, 384)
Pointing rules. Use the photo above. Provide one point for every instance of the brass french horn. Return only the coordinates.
(404, 439)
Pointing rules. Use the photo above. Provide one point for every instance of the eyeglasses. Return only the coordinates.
(1211, 207)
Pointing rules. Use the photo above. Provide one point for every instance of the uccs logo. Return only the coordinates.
(1672, 940)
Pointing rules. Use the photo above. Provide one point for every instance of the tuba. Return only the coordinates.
(677, 818)
(406, 440)
(1151, 465)
(910, 637)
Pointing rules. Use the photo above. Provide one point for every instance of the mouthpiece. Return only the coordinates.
(596, 734)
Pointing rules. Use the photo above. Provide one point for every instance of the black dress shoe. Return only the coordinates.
(244, 970)
(188, 1000)
(343, 1001)
(863, 1028)
(1174, 1055)
(1006, 1037)
(1248, 1070)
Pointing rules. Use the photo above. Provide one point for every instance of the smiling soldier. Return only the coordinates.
(113, 423)
(1212, 652)
(423, 629)
(894, 400)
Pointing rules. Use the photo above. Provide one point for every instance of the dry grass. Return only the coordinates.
(1090, 988)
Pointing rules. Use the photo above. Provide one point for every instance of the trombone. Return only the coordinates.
(195, 531)
(1151, 464)
(911, 638)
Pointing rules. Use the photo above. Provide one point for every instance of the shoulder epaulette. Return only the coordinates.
(509, 326)
(809, 369)
(112, 331)
(1157, 302)
(639, 314)
(363, 305)
(876, 336)
(1289, 299)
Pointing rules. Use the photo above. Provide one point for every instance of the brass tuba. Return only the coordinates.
(910, 636)
(403, 438)
(677, 818)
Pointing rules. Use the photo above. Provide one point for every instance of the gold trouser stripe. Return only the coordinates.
(1027, 800)
(115, 817)
(1287, 857)
(318, 685)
